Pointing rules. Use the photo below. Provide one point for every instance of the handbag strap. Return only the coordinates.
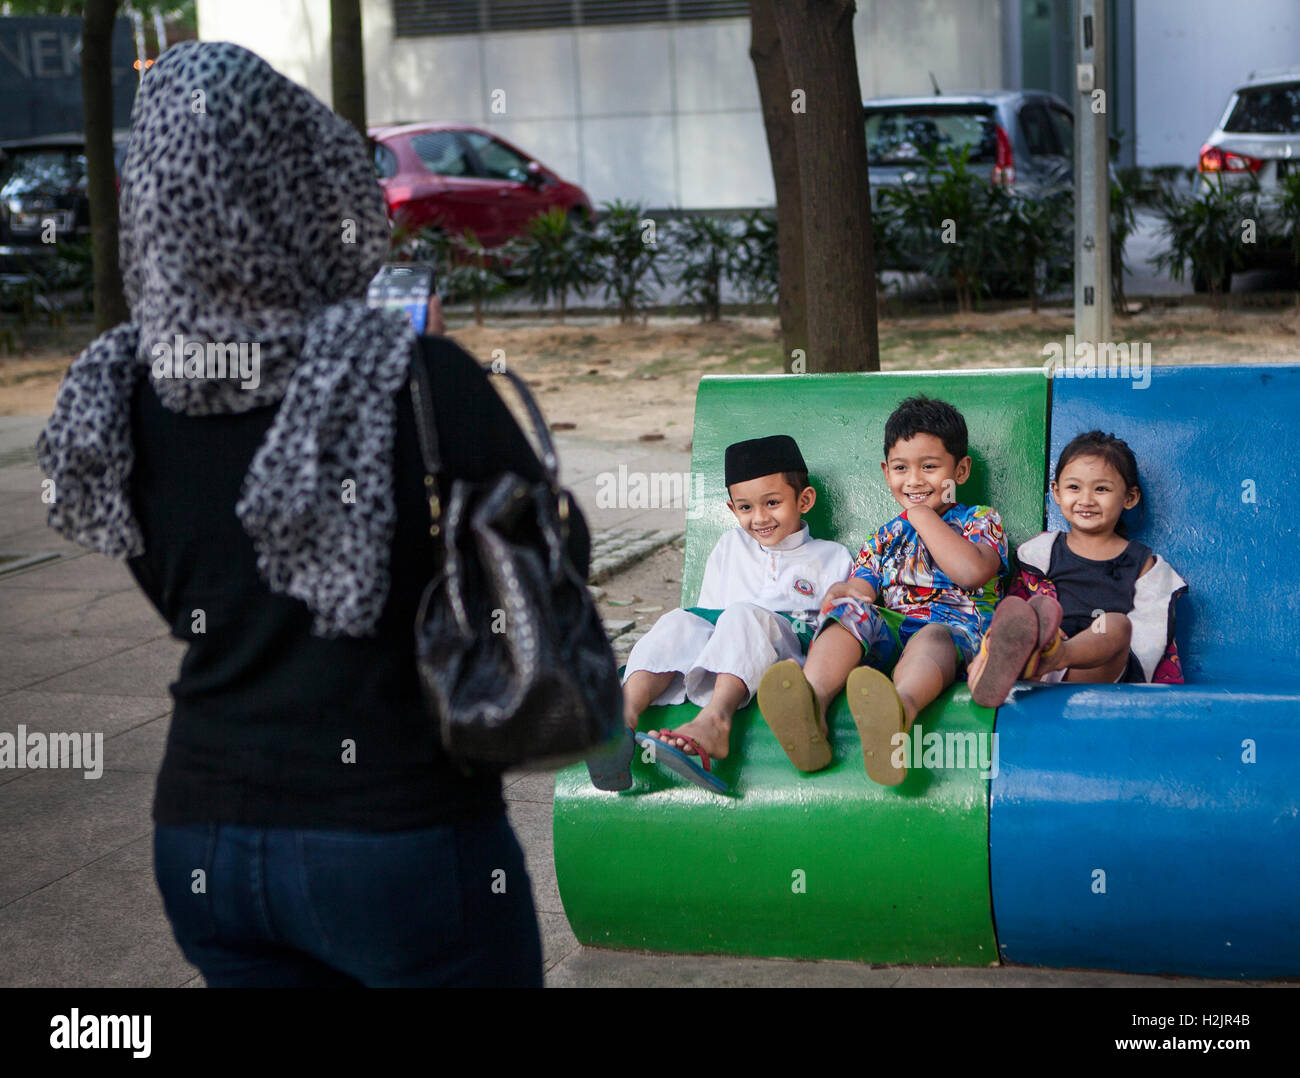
(427, 434)
(550, 459)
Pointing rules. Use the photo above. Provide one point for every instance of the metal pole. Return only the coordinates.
(1092, 310)
(160, 30)
(137, 21)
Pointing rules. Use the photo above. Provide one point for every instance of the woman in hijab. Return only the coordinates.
(247, 442)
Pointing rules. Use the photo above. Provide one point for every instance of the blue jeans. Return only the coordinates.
(278, 907)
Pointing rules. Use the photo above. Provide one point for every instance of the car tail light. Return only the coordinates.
(396, 196)
(1004, 168)
(1214, 159)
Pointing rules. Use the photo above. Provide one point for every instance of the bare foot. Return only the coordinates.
(710, 728)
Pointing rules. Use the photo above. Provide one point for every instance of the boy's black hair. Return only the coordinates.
(1115, 452)
(926, 415)
(798, 480)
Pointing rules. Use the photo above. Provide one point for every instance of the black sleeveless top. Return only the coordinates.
(1084, 585)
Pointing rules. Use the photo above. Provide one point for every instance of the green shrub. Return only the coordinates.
(1287, 225)
(947, 221)
(1031, 240)
(1205, 229)
(473, 274)
(757, 260)
(704, 252)
(554, 257)
(627, 254)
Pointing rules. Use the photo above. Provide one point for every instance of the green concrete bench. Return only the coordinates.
(827, 865)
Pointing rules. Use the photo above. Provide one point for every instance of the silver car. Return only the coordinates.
(1024, 138)
(1259, 133)
(1257, 142)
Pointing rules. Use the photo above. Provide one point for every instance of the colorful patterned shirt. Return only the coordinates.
(897, 564)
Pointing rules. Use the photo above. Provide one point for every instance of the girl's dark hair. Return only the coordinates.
(1115, 452)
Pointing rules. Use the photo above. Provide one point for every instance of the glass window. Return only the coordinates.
(596, 12)
(1039, 135)
(1268, 110)
(441, 153)
(1064, 124)
(528, 14)
(904, 136)
(385, 161)
(47, 171)
(498, 162)
(412, 17)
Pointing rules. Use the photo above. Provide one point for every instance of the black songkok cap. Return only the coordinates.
(762, 456)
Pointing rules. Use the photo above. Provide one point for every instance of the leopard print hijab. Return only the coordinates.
(251, 224)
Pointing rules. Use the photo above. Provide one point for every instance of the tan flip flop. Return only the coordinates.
(878, 714)
(789, 707)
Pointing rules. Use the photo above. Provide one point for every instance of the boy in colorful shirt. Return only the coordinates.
(920, 598)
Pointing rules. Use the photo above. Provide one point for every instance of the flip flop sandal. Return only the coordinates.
(879, 716)
(610, 766)
(671, 757)
(1011, 640)
(789, 707)
(1049, 614)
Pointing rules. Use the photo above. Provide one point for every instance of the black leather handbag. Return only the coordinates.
(513, 658)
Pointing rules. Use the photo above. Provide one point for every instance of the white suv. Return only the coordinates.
(1258, 138)
(1259, 133)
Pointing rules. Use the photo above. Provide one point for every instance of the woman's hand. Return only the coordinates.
(434, 324)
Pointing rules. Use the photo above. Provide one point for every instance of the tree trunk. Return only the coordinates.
(778, 120)
(101, 174)
(348, 63)
(831, 141)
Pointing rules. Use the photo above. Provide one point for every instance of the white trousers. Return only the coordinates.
(746, 641)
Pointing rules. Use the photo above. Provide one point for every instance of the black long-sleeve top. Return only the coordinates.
(273, 726)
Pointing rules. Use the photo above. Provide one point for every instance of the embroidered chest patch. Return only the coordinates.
(803, 587)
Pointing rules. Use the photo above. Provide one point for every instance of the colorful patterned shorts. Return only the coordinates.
(883, 633)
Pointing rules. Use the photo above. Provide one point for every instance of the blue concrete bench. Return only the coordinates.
(1157, 828)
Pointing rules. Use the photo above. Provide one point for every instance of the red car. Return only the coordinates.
(455, 177)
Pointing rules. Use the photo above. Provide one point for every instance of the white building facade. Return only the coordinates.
(655, 101)
(664, 111)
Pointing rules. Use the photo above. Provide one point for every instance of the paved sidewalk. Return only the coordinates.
(82, 650)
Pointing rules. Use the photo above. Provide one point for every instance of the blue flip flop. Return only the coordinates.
(679, 762)
(610, 766)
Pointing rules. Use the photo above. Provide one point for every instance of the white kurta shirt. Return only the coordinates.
(790, 576)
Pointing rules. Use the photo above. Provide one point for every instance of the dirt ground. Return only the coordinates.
(644, 591)
(620, 383)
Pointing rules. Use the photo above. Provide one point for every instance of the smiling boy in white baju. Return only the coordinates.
(758, 601)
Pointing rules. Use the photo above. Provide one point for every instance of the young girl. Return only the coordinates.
(1088, 604)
